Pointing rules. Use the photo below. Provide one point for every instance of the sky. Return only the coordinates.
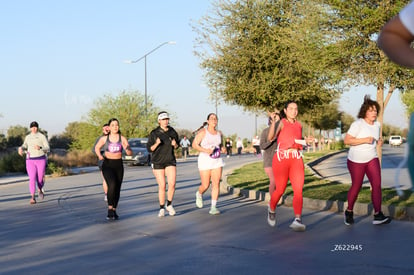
(58, 57)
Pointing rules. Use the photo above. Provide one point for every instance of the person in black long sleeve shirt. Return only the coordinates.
(161, 143)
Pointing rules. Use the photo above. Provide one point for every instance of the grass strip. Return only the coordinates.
(253, 177)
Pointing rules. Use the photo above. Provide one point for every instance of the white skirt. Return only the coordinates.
(205, 162)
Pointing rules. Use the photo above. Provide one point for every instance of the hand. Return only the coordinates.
(369, 140)
(274, 117)
(309, 140)
(20, 151)
(173, 143)
(158, 141)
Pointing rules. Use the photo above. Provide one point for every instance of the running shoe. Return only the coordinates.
(381, 219)
(41, 195)
(110, 215)
(171, 210)
(214, 211)
(115, 215)
(106, 197)
(271, 217)
(199, 200)
(161, 213)
(349, 217)
(297, 225)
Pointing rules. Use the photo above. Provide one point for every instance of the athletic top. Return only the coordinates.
(288, 134)
(268, 147)
(164, 153)
(407, 17)
(113, 147)
(205, 161)
(210, 141)
(364, 152)
(33, 139)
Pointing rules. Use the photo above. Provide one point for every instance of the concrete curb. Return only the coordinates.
(360, 209)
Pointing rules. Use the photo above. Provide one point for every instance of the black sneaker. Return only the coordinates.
(116, 216)
(110, 215)
(349, 217)
(381, 219)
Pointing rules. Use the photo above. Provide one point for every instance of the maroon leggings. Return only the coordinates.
(373, 171)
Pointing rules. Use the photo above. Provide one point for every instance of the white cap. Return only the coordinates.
(163, 115)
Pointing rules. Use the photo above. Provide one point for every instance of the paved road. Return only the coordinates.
(67, 233)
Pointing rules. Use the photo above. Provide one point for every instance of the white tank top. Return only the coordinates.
(211, 141)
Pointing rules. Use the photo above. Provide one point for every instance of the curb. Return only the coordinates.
(361, 209)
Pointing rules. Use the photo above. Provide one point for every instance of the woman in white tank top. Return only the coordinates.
(210, 163)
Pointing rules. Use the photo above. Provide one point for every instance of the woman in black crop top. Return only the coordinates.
(112, 167)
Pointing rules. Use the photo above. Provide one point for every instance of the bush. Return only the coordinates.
(55, 170)
(12, 162)
(75, 158)
(339, 145)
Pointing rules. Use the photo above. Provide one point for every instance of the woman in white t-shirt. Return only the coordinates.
(363, 137)
(396, 37)
(210, 164)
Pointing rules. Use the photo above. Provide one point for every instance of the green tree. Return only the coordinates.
(260, 54)
(3, 142)
(60, 141)
(81, 134)
(16, 135)
(346, 121)
(408, 99)
(128, 107)
(362, 62)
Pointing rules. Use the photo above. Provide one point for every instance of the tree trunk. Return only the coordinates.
(383, 104)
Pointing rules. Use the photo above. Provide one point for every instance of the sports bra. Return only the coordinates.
(113, 147)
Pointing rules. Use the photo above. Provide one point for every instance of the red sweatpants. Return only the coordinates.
(288, 167)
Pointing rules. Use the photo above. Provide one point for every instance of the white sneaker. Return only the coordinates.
(297, 225)
(271, 217)
(199, 200)
(171, 210)
(106, 198)
(214, 211)
(161, 213)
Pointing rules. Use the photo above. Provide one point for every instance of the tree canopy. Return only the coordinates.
(363, 63)
(260, 54)
(127, 106)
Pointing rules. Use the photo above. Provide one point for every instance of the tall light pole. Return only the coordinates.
(145, 64)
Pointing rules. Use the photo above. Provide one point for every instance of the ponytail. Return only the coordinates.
(201, 127)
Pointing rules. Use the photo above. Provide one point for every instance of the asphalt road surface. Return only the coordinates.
(67, 233)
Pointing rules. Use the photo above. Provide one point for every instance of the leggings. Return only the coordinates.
(288, 167)
(36, 171)
(373, 171)
(113, 172)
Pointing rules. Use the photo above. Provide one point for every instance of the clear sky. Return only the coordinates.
(59, 56)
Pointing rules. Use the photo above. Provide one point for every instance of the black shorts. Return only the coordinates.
(163, 165)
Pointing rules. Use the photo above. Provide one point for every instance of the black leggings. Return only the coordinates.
(113, 172)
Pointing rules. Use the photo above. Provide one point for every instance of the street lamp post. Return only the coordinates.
(145, 64)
